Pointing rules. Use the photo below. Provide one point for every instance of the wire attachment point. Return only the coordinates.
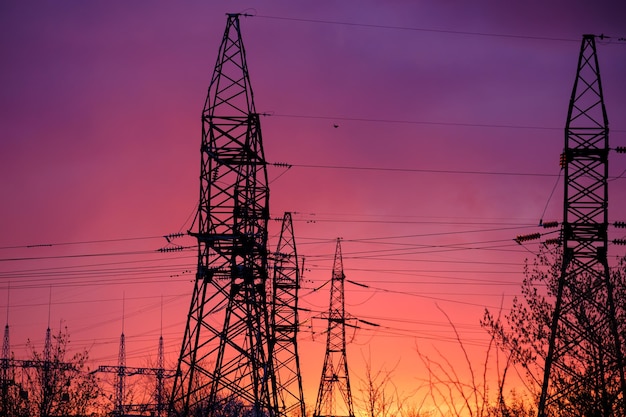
(525, 238)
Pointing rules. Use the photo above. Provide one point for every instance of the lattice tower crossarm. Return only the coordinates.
(585, 354)
(284, 322)
(224, 360)
(334, 398)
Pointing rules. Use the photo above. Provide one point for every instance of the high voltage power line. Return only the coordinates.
(513, 226)
(397, 249)
(389, 330)
(392, 252)
(420, 170)
(411, 29)
(603, 39)
(407, 294)
(83, 275)
(419, 122)
(84, 242)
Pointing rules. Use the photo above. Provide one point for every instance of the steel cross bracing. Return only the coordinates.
(585, 355)
(334, 397)
(224, 360)
(285, 286)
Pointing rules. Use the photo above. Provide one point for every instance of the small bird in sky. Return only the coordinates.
(335, 125)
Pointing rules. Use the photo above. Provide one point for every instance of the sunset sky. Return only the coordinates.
(449, 120)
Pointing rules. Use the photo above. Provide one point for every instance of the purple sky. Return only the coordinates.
(100, 114)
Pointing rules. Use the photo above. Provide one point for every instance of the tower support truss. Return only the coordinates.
(285, 286)
(334, 398)
(585, 354)
(224, 360)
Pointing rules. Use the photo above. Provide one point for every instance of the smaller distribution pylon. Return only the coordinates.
(284, 345)
(159, 395)
(121, 371)
(6, 369)
(120, 378)
(334, 398)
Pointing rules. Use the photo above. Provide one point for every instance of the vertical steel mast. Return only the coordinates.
(584, 366)
(224, 360)
(285, 286)
(334, 397)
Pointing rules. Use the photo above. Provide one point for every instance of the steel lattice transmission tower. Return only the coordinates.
(285, 286)
(6, 367)
(159, 397)
(334, 397)
(584, 352)
(6, 371)
(121, 372)
(120, 378)
(224, 359)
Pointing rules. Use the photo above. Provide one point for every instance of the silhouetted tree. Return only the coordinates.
(13, 403)
(524, 334)
(472, 394)
(57, 384)
(379, 395)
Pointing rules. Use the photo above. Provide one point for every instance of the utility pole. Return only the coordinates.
(585, 353)
(224, 361)
(285, 286)
(334, 398)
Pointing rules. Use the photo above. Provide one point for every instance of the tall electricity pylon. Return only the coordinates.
(285, 286)
(334, 397)
(224, 359)
(584, 351)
